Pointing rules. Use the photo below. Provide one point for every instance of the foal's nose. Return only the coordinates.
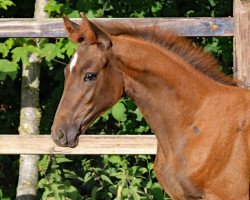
(60, 138)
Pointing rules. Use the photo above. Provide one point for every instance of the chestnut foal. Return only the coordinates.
(199, 116)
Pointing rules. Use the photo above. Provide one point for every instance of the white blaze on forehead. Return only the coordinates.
(73, 62)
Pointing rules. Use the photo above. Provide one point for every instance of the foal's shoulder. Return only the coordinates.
(238, 98)
(229, 98)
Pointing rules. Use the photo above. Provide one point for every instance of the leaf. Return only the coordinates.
(134, 192)
(4, 50)
(72, 175)
(118, 111)
(55, 191)
(5, 3)
(33, 49)
(134, 169)
(62, 160)
(142, 129)
(43, 164)
(42, 183)
(139, 115)
(93, 193)
(125, 192)
(106, 115)
(74, 14)
(136, 181)
(143, 170)
(150, 166)
(114, 159)
(157, 192)
(72, 193)
(149, 184)
(53, 6)
(8, 68)
(113, 189)
(9, 43)
(87, 177)
(212, 2)
(107, 179)
(90, 14)
(51, 51)
(156, 7)
(70, 48)
(20, 53)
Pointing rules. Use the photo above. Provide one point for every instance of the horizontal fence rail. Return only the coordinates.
(200, 26)
(88, 145)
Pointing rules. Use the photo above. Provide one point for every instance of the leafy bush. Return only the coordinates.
(111, 177)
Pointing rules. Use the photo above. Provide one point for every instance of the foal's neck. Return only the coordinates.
(162, 85)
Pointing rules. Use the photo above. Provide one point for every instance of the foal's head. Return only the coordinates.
(92, 83)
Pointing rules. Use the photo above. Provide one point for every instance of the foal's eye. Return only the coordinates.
(89, 77)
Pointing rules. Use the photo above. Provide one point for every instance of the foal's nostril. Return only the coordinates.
(61, 138)
(63, 141)
(60, 134)
(66, 137)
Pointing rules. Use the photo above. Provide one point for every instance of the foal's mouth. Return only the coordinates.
(74, 143)
(71, 135)
(82, 131)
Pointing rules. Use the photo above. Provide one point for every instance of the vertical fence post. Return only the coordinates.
(242, 42)
(30, 116)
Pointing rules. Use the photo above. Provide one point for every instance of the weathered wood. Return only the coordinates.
(88, 145)
(205, 26)
(242, 42)
(30, 115)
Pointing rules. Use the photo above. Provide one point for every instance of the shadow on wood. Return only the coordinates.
(26, 197)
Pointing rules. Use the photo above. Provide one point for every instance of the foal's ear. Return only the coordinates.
(103, 38)
(74, 30)
(87, 31)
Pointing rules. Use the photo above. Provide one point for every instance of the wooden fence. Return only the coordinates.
(237, 27)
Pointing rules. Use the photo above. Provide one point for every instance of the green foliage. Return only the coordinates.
(89, 177)
(53, 6)
(5, 3)
(20, 49)
(18, 53)
(112, 177)
(8, 68)
(119, 112)
(53, 184)
(4, 50)
(51, 51)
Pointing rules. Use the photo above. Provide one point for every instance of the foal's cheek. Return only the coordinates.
(88, 96)
(119, 88)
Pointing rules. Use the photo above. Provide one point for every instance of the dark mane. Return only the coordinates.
(195, 56)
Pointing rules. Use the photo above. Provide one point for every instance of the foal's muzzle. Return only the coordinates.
(66, 136)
